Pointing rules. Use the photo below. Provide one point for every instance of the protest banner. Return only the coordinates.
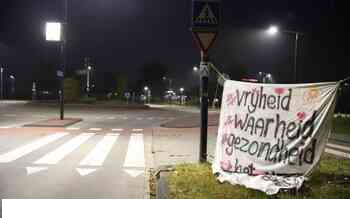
(272, 136)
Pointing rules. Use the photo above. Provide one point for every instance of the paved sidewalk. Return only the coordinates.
(176, 146)
(171, 146)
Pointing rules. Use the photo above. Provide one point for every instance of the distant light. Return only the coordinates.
(53, 31)
(182, 89)
(195, 69)
(146, 88)
(273, 30)
(89, 67)
(12, 77)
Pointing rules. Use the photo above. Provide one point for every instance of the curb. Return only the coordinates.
(129, 107)
(46, 123)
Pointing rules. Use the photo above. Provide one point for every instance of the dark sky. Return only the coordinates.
(123, 35)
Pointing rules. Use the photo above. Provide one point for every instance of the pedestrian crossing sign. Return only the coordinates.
(205, 14)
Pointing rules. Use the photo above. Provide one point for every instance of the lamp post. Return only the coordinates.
(147, 94)
(54, 33)
(2, 83)
(182, 95)
(88, 80)
(273, 30)
(13, 80)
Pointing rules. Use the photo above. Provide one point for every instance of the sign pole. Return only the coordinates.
(206, 16)
(204, 106)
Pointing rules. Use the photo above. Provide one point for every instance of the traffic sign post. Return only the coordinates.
(206, 18)
(60, 76)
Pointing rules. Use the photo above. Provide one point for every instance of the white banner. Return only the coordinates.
(272, 136)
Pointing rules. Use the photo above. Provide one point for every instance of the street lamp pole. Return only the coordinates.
(2, 83)
(273, 30)
(64, 58)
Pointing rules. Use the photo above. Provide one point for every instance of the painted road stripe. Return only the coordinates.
(135, 156)
(338, 153)
(111, 118)
(95, 129)
(117, 130)
(98, 155)
(57, 155)
(139, 118)
(338, 147)
(72, 128)
(125, 118)
(22, 151)
(137, 130)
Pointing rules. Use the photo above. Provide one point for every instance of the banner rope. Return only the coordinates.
(217, 71)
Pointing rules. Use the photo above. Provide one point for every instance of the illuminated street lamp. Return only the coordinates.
(195, 69)
(53, 31)
(274, 30)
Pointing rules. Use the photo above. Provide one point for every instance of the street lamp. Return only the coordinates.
(53, 31)
(89, 68)
(1, 83)
(13, 80)
(274, 30)
(147, 94)
(195, 69)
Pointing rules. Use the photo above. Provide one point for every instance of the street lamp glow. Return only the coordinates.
(182, 89)
(272, 30)
(195, 69)
(12, 77)
(89, 67)
(146, 88)
(53, 31)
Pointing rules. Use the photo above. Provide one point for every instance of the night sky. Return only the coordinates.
(120, 36)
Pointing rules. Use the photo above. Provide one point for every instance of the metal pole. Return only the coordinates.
(216, 93)
(204, 109)
(296, 57)
(2, 84)
(63, 55)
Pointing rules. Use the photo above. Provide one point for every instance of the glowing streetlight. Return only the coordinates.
(195, 69)
(182, 90)
(53, 31)
(272, 30)
(146, 88)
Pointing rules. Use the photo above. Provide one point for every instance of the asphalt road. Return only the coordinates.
(104, 156)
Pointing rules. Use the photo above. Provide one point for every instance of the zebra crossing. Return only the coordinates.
(66, 143)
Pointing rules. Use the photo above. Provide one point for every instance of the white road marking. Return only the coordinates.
(139, 118)
(117, 130)
(4, 127)
(150, 118)
(338, 146)
(57, 155)
(338, 153)
(137, 130)
(135, 156)
(10, 115)
(24, 150)
(134, 173)
(72, 128)
(95, 129)
(111, 118)
(85, 172)
(33, 170)
(99, 154)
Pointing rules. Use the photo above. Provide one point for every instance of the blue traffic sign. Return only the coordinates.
(206, 14)
(60, 73)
